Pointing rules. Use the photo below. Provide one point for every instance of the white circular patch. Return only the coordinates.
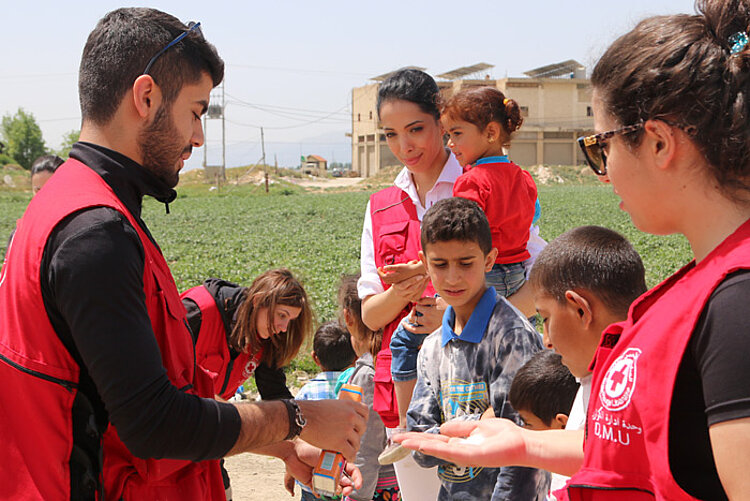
(619, 381)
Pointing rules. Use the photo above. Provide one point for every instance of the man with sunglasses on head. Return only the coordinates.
(101, 396)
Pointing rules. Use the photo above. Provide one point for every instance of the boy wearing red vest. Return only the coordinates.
(92, 325)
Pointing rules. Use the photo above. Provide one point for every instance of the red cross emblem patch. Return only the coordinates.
(619, 381)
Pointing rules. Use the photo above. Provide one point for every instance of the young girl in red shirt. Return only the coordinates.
(479, 123)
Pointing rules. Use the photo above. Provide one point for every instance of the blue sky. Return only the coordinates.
(291, 65)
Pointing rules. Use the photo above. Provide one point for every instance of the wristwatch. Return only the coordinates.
(297, 420)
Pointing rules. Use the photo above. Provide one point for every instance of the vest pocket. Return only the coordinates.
(392, 241)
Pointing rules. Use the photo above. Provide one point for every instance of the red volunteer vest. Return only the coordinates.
(40, 377)
(212, 348)
(395, 239)
(627, 429)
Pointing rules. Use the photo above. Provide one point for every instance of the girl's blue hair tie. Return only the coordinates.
(739, 41)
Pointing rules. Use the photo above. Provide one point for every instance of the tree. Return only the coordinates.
(22, 137)
(69, 138)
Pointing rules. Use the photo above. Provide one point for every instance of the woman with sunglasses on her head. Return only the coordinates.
(669, 416)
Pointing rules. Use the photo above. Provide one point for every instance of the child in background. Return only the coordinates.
(332, 352)
(543, 392)
(378, 482)
(479, 123)
(467, 366)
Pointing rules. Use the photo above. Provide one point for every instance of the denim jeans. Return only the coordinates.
(506, 278)
(404, 350)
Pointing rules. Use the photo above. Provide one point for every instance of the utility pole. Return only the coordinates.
(217, 103)
(263, 147)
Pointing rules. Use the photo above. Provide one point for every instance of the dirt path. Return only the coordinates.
(254, 477)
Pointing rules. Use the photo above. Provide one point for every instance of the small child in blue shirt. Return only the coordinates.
(332, 352)
(467, 366)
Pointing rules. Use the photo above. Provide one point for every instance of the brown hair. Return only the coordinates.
(272, 288)
(680, 68)
(482, 105)
(349, 301)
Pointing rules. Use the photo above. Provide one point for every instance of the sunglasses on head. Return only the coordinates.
(593, 147)
(191, 27)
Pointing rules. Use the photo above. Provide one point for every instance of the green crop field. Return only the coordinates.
(239, 233)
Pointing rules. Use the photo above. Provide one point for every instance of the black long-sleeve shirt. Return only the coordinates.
(92, 288)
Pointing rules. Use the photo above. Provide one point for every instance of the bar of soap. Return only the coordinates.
(476, 439)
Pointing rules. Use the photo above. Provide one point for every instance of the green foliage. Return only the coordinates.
(242, 231)
(6, 159)
(22, 137)
(565, 207)
(69, 138)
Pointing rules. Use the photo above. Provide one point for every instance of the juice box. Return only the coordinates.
(327, 472)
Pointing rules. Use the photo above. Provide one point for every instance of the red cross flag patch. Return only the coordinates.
(619, 381)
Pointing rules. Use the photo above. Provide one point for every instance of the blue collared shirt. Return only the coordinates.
(493, 160)
(477, 324)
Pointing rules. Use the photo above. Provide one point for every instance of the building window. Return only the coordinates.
(370, 114)
(382, 138)
(358, 118)
(524, 111)
(589, 111)
(361, 139)
(371, 138)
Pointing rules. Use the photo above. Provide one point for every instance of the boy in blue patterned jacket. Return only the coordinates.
(467, 365)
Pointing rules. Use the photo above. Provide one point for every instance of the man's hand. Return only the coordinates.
(289, 482)
(335, 425)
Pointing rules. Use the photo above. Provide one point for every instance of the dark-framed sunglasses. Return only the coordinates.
(593, 147)
(191, 27)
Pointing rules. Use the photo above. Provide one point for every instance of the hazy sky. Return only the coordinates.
(291, 65)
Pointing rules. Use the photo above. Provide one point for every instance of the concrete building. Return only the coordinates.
(314, 164)
(555, 102)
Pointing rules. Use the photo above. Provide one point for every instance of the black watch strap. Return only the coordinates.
(296, 419)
